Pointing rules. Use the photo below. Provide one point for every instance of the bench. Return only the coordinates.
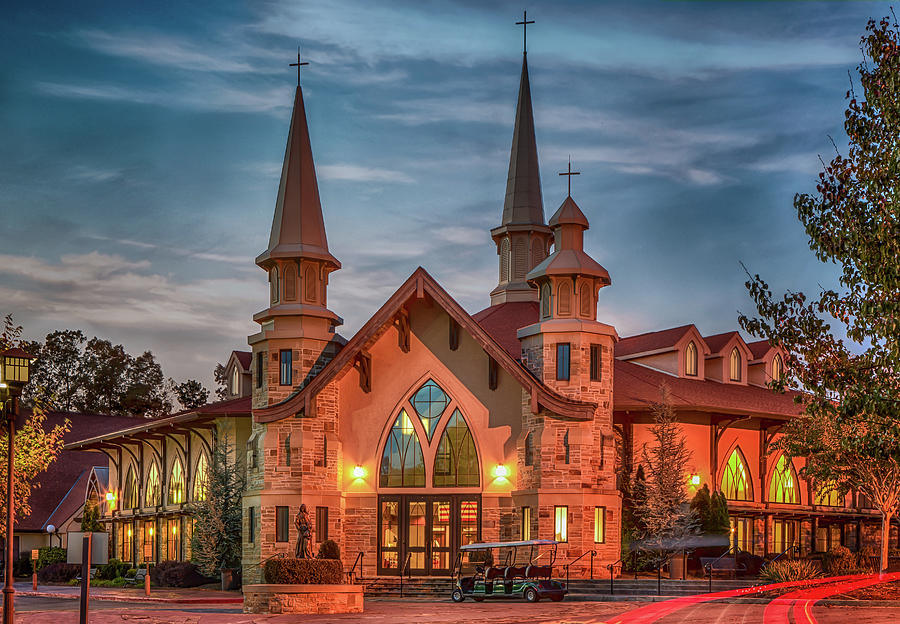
(724, 566)
(138, 578)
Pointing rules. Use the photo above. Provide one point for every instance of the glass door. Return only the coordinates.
(388, 535)
(440, 536)
(416, 527)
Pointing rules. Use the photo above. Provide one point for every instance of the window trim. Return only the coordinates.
(736, 365)
(565, 347)
(561, 530)
(285, 373)
(600, 512)
(596, 373)
(691, 361)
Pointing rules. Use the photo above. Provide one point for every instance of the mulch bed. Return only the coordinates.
(884, 591)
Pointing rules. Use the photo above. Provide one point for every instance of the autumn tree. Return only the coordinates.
(850, 427)
(35, 448)
(190, 394)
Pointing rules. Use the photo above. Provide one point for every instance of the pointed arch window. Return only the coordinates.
(537, 252)
(290, 282)
(736, 478)
(777, 367)
(529, 449)
(235, 380)
(504, 260)
(784, 486)
(584, 301)
(735, 374)
(828, 495)
(273, 284)
(564, 299)
(456, 461)
(402, 464)
(429, 402)
(152, 492)
(309, 279)
(545, 301)
(201, 478)
(130, 499)
(176, 483)
(690, 359)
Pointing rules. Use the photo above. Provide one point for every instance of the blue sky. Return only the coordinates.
(142, 145)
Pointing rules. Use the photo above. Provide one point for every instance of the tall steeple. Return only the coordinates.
(297, 330)
(522, 239)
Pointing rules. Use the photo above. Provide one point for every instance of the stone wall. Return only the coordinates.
(303, 599)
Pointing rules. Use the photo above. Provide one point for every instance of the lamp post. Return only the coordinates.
(15, 369)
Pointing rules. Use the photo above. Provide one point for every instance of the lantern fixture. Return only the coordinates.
(15, 370)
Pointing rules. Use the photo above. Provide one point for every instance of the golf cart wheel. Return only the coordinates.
(531, 595)
(457, 595)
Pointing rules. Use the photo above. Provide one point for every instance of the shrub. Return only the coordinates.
(329, 550)
(113, 570)
(790, 570)
(50, 554)
(59, 572)
(176, 574)
(22, 566)
(304, 571)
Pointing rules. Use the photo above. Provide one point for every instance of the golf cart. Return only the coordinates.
(507, 570)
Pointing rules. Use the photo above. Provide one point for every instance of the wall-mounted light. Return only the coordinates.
(174, 530)
(501, 471)
(359, 472)
(695, 480)
(151, 531)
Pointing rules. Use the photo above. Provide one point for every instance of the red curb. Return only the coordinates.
(109, 598)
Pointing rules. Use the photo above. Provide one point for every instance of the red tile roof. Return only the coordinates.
(636, 387)
(651, 341)
(502, 321)
(245, 358)
(717, 342)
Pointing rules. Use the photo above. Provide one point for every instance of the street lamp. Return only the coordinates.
(15, 370)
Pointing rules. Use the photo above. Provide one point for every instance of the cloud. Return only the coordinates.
(435, 110)
(178, 251)
(358, 173)
(800, 163)
(94, 174)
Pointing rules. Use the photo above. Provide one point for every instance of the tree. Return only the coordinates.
(90, 517)
(190, 394)
(35, 448)
(216, 541)
(105, 377)
(665, 514)
(221, 377)
(145, 394)
(850, 427)
(58, 368)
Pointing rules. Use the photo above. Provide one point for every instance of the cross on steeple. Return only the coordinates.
(524, 24)
(569, 174)
(298, 64)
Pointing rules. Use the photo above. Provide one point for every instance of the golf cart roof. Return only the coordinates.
(538, 542)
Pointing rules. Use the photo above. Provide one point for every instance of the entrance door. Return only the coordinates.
(428, 529)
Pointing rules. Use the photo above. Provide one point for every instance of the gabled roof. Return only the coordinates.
(502, 321)
(421, 284)
(717, 342)
(244, 358)
(636, 387)
(760, 348)
(658, 341)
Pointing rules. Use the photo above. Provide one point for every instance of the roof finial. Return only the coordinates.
(524, 24)
(570, 173)
(298, 64)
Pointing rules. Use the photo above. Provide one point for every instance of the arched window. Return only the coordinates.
(290, 282)
(784, 488)
(273, 284)
(309, 279)
(537, 252)
(429, 402)
(736, 478)
(130, 496)
(235, 380)
(829, 496)
(566, 453)
(504, 260)
(201, 478)
(777, 367)
(564, 299)
(585, 300)
(529, 450)
(176, 483)
(520, 259)
(545, 301)
(456, 461)
(690, 359)
(402, 464)
(152, 492)
(735, 365)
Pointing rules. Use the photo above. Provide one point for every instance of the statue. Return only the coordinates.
(304, 534)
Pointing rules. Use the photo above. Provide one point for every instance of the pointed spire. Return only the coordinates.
(523, 203)
(298, 229)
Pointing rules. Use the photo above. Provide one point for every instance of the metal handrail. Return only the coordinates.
(404, 567)
(709, 566)
(611, 567)
(457, 564)
(358, 561)
(784, 552)
(585, 553)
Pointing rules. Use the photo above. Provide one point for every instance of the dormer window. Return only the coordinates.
(235, 380)
(690, 359)
(735, 374)
(777, 367)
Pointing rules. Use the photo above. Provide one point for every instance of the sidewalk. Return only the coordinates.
(168, 595)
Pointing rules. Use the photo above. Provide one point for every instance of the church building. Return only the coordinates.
(432, 427)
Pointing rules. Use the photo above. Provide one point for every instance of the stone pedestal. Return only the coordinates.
(303, 598)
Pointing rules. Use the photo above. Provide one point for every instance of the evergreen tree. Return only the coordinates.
(90, 517)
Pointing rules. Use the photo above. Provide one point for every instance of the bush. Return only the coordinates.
(790, 570)
(304, 571)
(839, 561)
(59, 572)
(329, 550)
(176, 574)
(113, 570)
(50, 554)
(22, 566)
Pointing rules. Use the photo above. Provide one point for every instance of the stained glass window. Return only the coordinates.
(777, 367)
(176, 483)
(736, 478)
(402, 464)
(430, 402)
(151, 496)
(784, 488)
(130, 495)
(456, 461)
(201, 477)
(828, 495)
(735, 365)
(690, 359)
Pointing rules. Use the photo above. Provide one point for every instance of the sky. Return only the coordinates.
(142, 144)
